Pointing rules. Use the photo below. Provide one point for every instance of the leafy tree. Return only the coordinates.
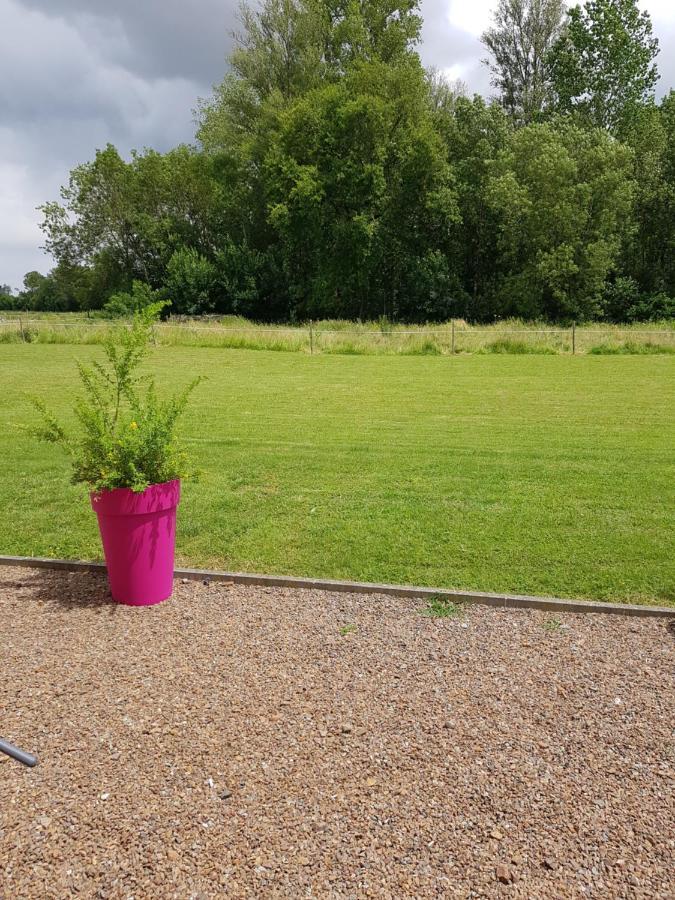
(289, 47)
(317, 152)
(190, 282)
(474, 133)
(652, 308)
(648, 251)
(334, 177)
(619, 297)
(443, 93)
(369, 31)
(279, 48)
(519, 42)
(562, 197)
(137, 301)
(623, 302)
(250, 282)
(45, 292)
(95, 283)
(603, 63)
(7, 299)
(359, 192)
(131, 216)
(665, 213)
(98, 213)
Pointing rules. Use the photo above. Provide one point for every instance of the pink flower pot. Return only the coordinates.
(138, 531)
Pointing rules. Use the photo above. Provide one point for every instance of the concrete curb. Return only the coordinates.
(513, 601)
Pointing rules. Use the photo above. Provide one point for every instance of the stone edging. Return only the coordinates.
(513, 601)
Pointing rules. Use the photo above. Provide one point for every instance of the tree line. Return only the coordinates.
(332, 176)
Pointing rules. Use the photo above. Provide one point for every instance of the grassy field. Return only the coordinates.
(531, 474)
(513, 337)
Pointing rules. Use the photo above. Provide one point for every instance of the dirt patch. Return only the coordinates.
(240, 741)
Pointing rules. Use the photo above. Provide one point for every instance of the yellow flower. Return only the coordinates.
(133, 425)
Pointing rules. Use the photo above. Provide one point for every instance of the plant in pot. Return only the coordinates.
(126, 451)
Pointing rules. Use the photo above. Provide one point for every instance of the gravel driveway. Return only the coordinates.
(265, 742)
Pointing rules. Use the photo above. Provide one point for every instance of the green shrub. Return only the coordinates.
(124, 304)
(190, 279)
(618, 298)
(652, 308)
(623, 302)
(9, 302)
(126, 438)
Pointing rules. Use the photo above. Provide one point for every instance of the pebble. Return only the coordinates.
(421, 760)
(504, 874)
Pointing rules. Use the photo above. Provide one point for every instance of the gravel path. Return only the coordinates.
(233, 742)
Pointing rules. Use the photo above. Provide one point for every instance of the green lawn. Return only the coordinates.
(531, 474)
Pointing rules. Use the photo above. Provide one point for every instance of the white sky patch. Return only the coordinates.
(20, 235)
(18, 224)
(473, 17)
(661, 11)
(456, 72)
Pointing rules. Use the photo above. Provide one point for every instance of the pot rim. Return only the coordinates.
(125, 502)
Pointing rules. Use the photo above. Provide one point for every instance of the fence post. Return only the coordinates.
(452, 350)
(311, 338)
(574, 337)
(23, 337)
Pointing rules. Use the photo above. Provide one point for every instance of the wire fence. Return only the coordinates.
(311, 337)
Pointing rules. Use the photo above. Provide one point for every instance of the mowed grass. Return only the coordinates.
(530, 474)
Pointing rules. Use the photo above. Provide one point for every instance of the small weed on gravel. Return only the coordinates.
(443, 608)
(347, 629)
(553, 625)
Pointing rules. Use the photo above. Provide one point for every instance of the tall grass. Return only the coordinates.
(331, 336)
(506, 345)
(609, 348)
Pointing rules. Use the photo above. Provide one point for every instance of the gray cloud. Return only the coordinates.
(76, 74)
(152, 38)
(72, 81)
(452, 49)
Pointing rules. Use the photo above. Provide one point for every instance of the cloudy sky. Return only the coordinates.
(75, 74)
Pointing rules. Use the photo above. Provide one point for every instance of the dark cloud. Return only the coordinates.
(76, 74)
(152, 38)
(73, 80)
